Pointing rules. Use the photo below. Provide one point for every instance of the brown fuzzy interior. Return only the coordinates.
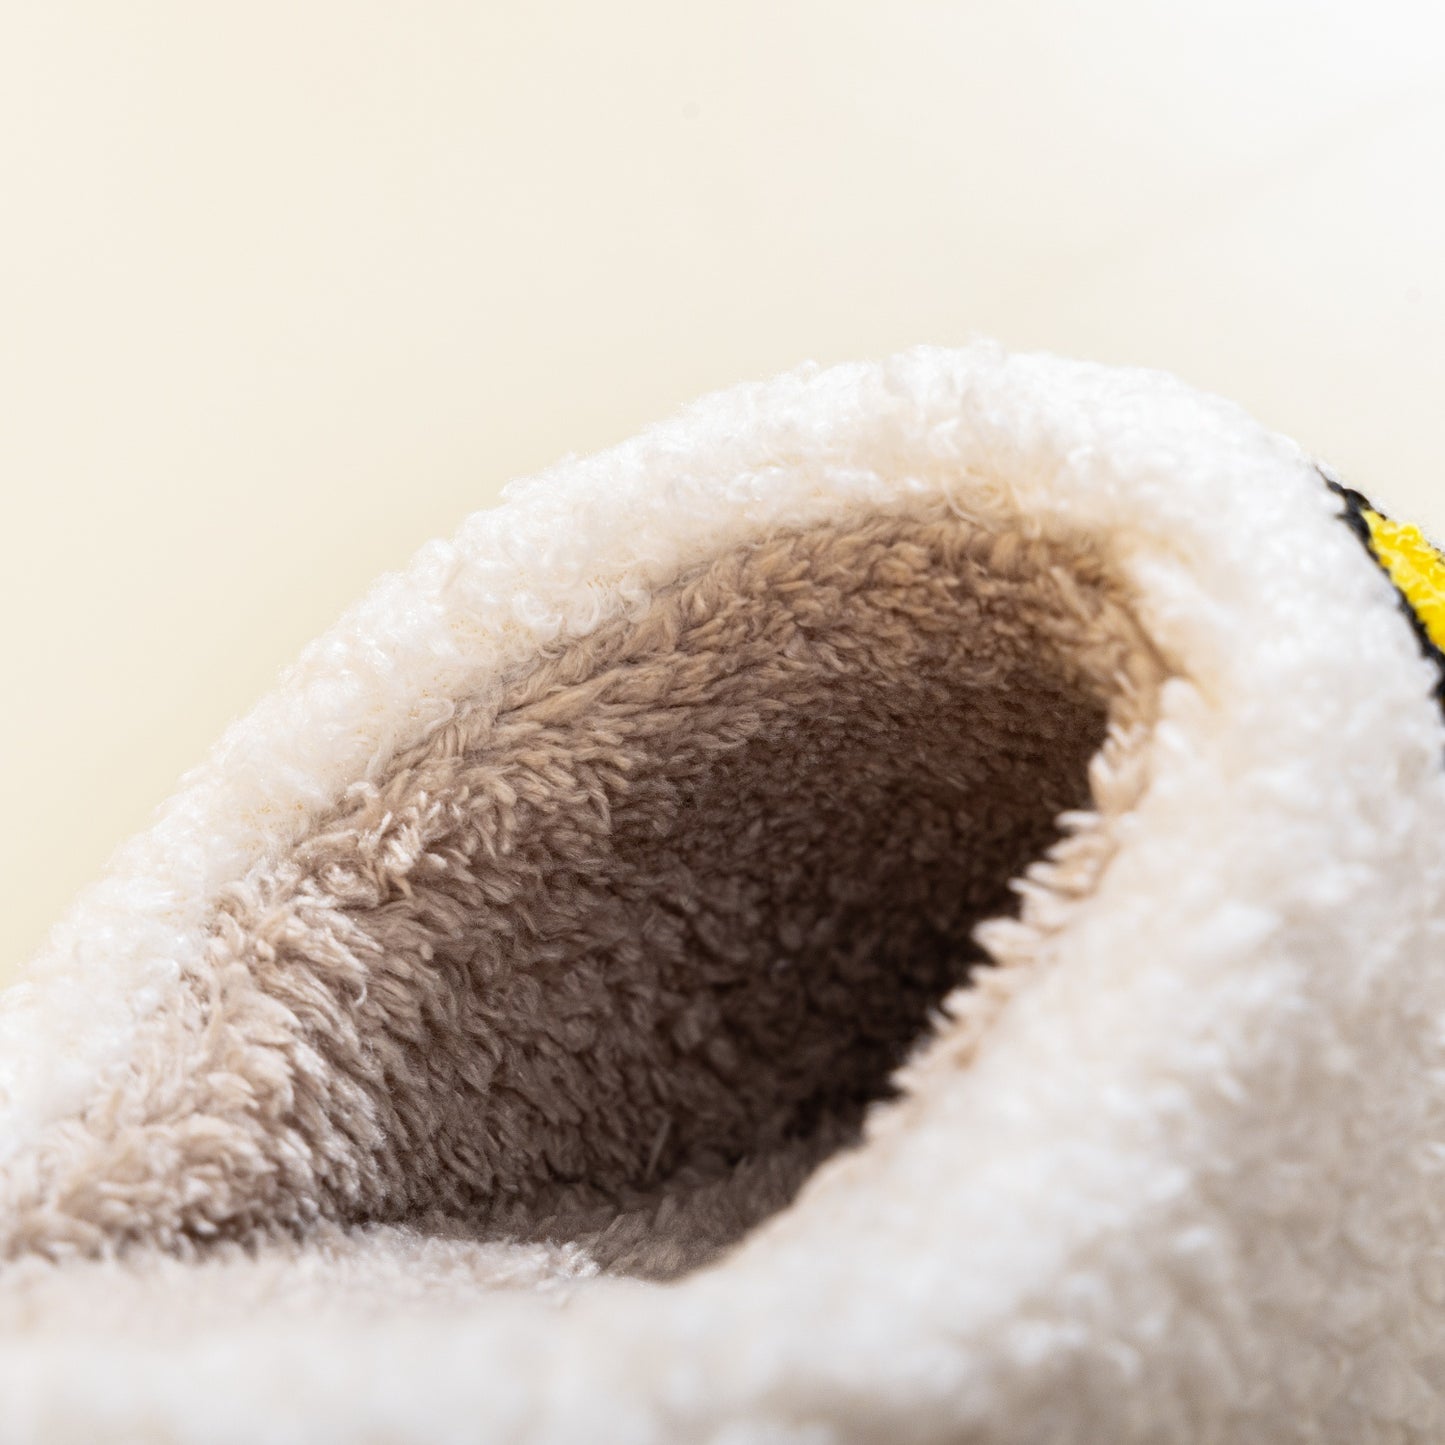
(622, 953)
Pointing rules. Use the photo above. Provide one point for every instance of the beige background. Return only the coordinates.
(286, 288)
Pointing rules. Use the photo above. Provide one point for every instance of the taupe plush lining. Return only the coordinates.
(619, 955)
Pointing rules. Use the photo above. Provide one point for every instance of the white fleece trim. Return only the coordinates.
(1189, 1190)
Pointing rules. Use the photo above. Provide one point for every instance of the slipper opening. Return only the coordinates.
(624, 951)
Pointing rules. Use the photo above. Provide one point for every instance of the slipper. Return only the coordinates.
(904, 904)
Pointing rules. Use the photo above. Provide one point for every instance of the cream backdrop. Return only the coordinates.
(287, 288)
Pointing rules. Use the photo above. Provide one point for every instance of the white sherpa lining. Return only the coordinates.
(1187, 1187)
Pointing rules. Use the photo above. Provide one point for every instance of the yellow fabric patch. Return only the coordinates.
(1415, 566)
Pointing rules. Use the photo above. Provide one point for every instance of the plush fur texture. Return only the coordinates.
(902, 904)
